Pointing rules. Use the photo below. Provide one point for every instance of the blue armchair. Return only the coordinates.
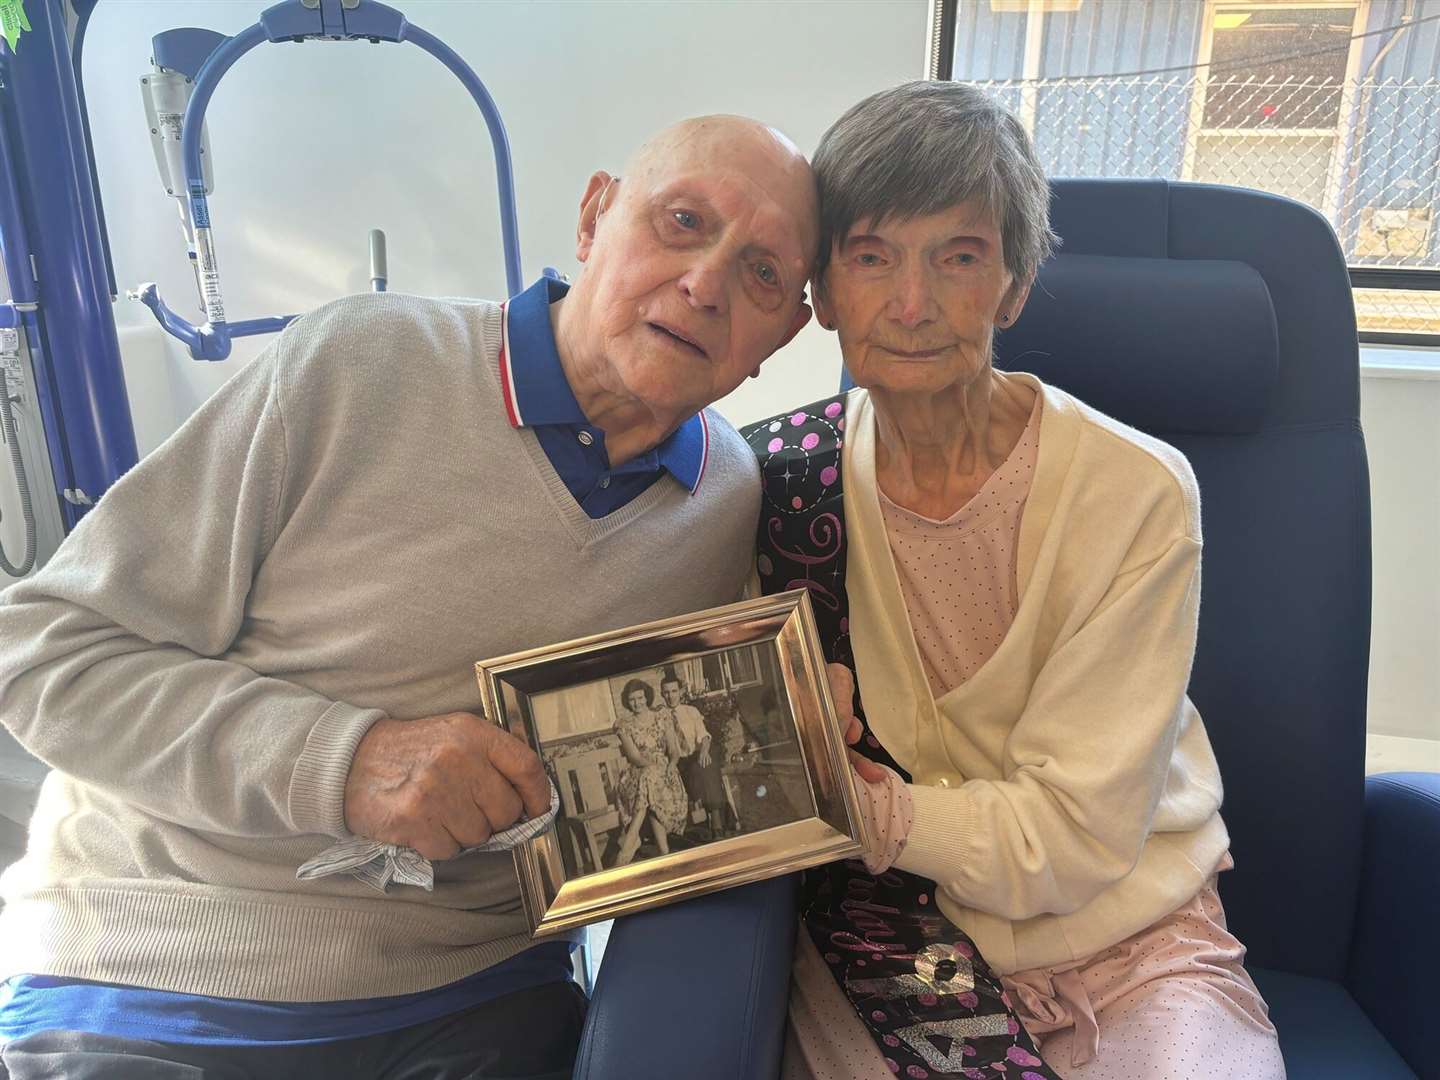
(1220, 320)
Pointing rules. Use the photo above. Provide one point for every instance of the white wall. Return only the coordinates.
(1400, 411)
(314, 144)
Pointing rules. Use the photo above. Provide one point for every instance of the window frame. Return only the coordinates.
(940, 65)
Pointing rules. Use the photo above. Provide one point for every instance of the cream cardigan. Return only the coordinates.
(1066, 796)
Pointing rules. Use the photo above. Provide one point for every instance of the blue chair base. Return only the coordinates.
(697, 989)
(1323, 1032)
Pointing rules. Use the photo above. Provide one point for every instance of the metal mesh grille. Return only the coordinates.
(1365, 154)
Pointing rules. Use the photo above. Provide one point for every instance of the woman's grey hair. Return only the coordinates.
(923, 147)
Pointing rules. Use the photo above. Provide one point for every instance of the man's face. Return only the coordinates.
(671, 693)
(696, 265)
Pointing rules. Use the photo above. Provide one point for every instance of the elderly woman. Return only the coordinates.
(650, 789)
(1013, 578)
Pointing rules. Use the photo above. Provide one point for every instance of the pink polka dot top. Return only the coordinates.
(958, 575)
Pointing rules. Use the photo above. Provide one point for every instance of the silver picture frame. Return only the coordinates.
(565, 882)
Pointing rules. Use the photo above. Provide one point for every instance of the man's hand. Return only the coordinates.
(704, 753)
(842, 690)
(442, 783)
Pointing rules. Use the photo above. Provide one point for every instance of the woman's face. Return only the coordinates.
(915, 300)
(635, 701)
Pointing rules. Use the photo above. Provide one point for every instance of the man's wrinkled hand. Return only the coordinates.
(442, 783)
(842, 690)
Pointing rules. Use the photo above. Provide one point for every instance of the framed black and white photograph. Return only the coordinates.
(690, 755)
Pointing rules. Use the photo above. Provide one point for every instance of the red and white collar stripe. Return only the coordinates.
(704, 451)
(507, 375)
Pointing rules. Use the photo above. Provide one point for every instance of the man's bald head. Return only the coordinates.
(702, 138)
(701, 129)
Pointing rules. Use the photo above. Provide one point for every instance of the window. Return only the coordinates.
(721, 672)
(743, 667)
(1335, 103)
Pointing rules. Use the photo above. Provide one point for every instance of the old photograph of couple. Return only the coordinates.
(671, 757)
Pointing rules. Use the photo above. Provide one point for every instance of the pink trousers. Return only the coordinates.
(1172, 1001)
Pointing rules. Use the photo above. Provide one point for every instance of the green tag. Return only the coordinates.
(13, 22)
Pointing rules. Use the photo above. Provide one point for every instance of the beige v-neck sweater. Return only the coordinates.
(336, 536)
(1066, 795)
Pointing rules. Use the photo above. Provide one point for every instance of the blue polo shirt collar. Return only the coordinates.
(536, 392)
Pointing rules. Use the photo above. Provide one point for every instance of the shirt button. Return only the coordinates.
(944, 781)
(585, 438)
(605, 481)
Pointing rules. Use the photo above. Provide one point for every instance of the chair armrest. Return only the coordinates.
(697, 989)
(1396, 947)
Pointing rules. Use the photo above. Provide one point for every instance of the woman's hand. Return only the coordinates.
(842, 690)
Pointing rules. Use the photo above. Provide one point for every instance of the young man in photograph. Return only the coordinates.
(699, 759)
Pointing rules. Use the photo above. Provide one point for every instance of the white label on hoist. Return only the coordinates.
(171, 124)
(209, 275)
(11, 374)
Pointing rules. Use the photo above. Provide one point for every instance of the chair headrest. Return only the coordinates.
(1170, 345)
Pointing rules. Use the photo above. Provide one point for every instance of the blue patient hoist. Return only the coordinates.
(59, 350)
(205, 57)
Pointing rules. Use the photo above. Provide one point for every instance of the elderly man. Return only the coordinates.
(263, 639)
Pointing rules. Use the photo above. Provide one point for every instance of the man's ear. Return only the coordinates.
(590, 209)
(824, 311)
(802, 316)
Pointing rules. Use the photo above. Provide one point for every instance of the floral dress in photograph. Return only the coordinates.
(655, 786)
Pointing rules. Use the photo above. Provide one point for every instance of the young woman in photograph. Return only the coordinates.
(650, 789)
